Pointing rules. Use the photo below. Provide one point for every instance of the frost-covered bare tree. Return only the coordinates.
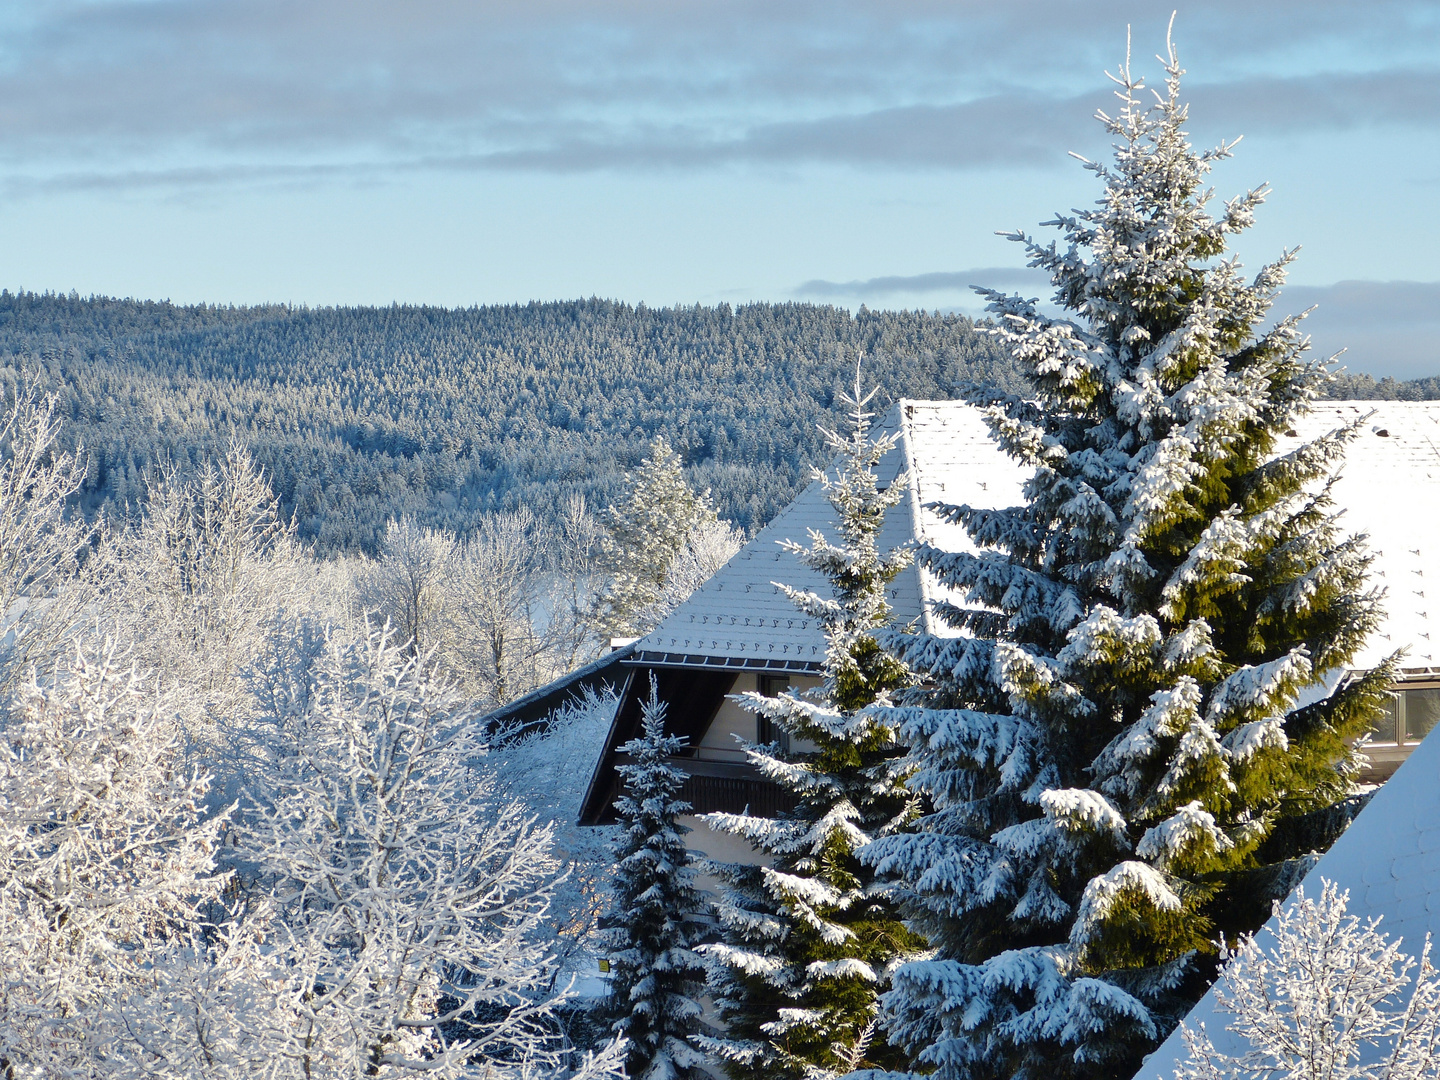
(105, 863)
(43, 597)
(573, 574)
(504, 611)
(211, 1004)
(197, 584)
(495, 605)
(408, 582)
(407, 892)
(1329, 997)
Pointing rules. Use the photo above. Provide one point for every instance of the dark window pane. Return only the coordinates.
(765, 731)
(1384, 729)
(1422, 710)
(774, 685)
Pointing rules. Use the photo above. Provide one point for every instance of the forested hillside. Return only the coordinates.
(359, 415)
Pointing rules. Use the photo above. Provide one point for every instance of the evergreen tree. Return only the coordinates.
(1108, 735)
(808, 939)
(644, 535)
(657, 976)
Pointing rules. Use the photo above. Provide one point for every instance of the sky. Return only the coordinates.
(457, 152)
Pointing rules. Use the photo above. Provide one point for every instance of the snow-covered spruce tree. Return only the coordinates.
(643, 536)
(1117, 776)
(1328, 998)
(407, 896)
(658, 978)
(808, 940)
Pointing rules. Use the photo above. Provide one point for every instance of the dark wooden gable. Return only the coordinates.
(692, 696)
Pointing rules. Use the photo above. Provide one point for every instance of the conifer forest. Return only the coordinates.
(361, 415)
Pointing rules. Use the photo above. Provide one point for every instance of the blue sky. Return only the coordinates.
(452, 152)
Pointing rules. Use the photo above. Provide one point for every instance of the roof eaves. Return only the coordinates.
(537, 704)
(651, 658)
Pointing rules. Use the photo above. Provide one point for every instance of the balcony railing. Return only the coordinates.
(735, 795)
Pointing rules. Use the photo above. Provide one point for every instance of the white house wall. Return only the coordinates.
(732, 722)
(719, 743)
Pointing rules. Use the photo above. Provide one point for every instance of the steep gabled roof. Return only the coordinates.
(595, 677)
(1389, 488)
(740, 618)
(1389, 860)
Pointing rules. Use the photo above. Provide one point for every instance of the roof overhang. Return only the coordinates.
(692, 694)
(719, 663)
(534, 707)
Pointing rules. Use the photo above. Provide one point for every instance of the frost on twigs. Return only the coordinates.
(106, 866)
(1327, 996)
(47, 587)
(406, 894)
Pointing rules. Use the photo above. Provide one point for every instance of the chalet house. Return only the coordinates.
(738, 632)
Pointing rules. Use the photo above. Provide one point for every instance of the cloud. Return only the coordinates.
(129, 88)
(1385, 327)
(1320, 102)
(945, 281)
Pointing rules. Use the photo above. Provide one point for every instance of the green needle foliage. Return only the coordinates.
(658, 976)
(809, 939)
(1109, 733)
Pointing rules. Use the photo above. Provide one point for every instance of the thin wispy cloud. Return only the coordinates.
(946, 281)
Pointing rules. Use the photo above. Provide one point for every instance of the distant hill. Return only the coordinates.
(1368, 388)
(360, 414)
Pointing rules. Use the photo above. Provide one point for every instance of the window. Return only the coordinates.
(1409, 715)
(765, 731)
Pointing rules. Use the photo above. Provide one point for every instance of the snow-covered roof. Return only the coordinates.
(741, 618)
(1388, 860)
(1389, 488)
